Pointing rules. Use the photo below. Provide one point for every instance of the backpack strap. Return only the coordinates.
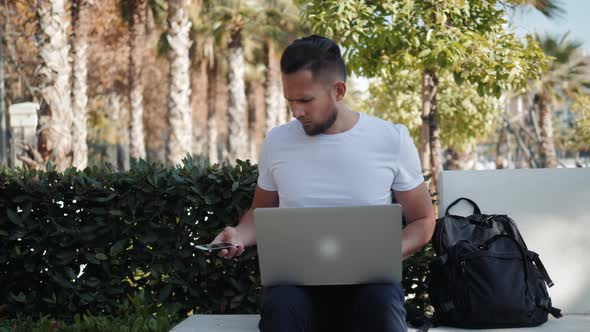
(426, 326)
(533, 256)
(425, 323)
(555, 312)
(546, 305)
(476, 209)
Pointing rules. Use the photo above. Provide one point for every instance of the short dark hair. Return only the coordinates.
(318, 54)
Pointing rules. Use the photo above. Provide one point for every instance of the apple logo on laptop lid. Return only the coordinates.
(329, 248)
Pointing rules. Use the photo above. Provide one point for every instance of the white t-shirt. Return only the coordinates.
(357, 167)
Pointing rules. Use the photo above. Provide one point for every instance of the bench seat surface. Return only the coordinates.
(249, 323)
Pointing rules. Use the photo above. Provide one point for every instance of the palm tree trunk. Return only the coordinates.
(547, 148)
(251, 118)
(179, 142)
(3, 129)
(238, 106)
(256, 123)
(80, 23)
(276, 107)
(199, 105)
(53, 80)
(120, 118)
(137, 10)
(259, 102)
(221, 106)
(273, 87)
(212, 133)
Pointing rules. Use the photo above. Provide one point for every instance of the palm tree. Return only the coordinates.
(120, 118)
(209, 43)
(179, 142)
(199, 106)
(213, 76)
(238, 106)
(80, 21)
(280, 22)
(255, 91)
(565, 76)
(136, 10)
(275, 25)
(201, 54)
(549, 8)
(230, 18)
(52, 78)
(274, 89)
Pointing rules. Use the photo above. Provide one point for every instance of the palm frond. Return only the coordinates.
(549, 8)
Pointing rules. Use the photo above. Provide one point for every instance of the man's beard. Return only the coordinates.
(321, 128)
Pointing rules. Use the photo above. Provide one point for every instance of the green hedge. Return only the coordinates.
(132, 316)
(133, 230)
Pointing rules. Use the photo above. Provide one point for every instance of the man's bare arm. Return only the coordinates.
(420, 219)
(244, 234)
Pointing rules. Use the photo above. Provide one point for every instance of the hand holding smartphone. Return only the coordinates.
(215, 247)
(227, 244)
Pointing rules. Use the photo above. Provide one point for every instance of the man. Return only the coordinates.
(333, 156)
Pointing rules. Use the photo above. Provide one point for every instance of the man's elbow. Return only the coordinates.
(428, 224)
(429, 228)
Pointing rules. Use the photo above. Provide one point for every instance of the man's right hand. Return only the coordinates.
(231, 235)
(245, 233)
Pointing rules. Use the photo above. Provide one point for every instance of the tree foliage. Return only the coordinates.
(465, 116)
(466, 39)
(580, 139)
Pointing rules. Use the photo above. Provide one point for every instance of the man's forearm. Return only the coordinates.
(246, 228)
(415, 235)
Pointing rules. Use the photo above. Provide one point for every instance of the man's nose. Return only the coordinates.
(296, 110)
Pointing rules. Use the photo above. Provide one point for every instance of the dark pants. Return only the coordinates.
(371, 307)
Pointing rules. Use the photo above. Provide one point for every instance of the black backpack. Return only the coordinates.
(484, 275)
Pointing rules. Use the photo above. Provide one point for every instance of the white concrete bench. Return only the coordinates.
(249, 323)
(552, 210)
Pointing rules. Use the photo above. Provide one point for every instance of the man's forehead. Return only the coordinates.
(305, 78)
(300, 75)
(299, 85)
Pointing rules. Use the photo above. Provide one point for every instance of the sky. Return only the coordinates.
(575, 19)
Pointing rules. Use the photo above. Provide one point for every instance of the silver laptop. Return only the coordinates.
(329, 245)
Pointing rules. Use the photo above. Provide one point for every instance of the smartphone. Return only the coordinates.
(215, 247)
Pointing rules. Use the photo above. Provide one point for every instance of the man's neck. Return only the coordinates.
(345, 121)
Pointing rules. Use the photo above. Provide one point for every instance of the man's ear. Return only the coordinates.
(340, 90)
